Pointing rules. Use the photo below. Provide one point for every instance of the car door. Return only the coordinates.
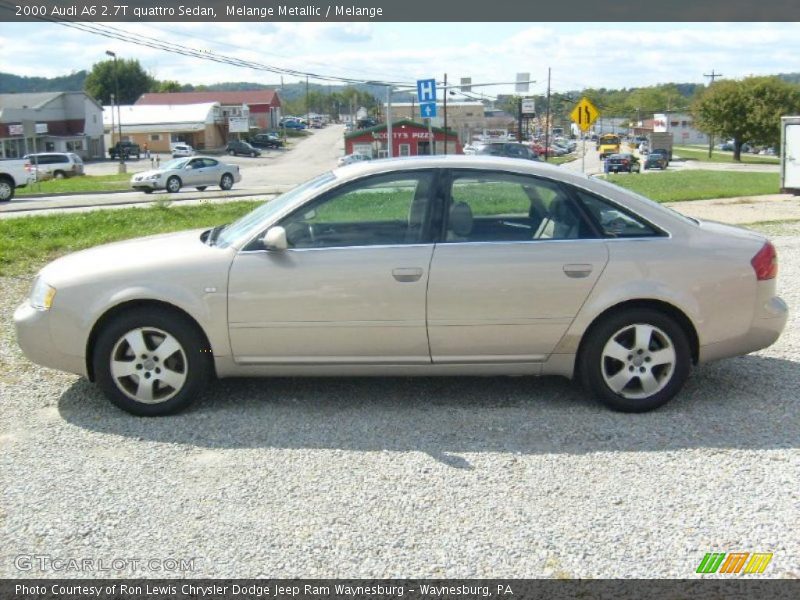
(517, 260)
(351, 286)
(209, 172)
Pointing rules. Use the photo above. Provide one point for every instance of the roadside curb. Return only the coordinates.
(21, 209)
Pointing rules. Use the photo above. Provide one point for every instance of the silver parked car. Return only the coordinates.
(422, 266)
(197, 171)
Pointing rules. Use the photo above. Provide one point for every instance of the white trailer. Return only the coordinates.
(790, 155)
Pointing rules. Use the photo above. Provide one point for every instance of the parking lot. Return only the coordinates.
(501, 477)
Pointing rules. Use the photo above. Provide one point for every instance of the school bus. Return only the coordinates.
(608, 144)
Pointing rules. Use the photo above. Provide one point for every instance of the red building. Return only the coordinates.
(264, 105)
(409, 138)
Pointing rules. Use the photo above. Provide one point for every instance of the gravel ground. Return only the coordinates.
(407, 478)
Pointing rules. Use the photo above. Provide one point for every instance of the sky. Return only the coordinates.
(611, 55)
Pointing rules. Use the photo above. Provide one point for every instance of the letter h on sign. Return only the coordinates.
(426, 90)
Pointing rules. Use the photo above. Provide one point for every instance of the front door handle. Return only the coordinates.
(577, 271)
(406, 275)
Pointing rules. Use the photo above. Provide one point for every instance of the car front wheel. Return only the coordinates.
(173, 185)
(151, 362)
(226, 182)
(636, 360)
(6, 190)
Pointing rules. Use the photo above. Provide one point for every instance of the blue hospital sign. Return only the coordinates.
(426, 90)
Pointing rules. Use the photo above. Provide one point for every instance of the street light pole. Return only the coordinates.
(122, 168)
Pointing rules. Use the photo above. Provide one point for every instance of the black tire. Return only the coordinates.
(232, 153)
(192, 361)
(59, 175)
(7, 189)
(226, 181)
(202, 188)
(595, 366)
(253, 154)
(174, 184)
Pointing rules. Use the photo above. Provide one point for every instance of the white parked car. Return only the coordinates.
(349, 159)
(181, 150)
(196, 171)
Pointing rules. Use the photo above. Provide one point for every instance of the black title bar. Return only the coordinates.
(399, 10)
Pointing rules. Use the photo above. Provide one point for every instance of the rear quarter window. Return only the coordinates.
(613, 220)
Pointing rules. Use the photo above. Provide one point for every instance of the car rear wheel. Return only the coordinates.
(226, 182)
(231, 152)
(151, 362)
(636, 360)
(173, 185)
(59, 175)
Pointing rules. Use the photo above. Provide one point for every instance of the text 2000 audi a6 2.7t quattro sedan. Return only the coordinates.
(422, 266)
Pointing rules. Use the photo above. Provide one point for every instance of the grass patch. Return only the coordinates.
(677, 186)
(26, 243)
(76, 185)
(719, 156)
(776, 228)
(560, 160)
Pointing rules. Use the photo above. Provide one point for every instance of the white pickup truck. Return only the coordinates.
(14, 173)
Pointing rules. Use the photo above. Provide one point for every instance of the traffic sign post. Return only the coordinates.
(584, 115)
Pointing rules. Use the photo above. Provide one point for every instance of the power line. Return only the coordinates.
(110, 32)
(712, 76)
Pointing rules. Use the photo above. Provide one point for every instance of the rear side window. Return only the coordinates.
(489, 206)
(613, 221)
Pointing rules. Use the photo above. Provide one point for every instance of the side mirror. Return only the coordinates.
(275, 239)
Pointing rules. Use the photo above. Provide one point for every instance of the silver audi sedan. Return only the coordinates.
(194, 171)
(424, 266)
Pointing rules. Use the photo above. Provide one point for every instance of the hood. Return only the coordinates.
(157, 256)
(146, 174)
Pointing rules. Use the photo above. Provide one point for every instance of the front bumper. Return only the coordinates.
(34, 337)
(148, 184)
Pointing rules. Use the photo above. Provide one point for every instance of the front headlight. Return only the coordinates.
(154, 177)
(42, 295)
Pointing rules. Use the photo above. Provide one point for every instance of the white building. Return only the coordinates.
(681, 126)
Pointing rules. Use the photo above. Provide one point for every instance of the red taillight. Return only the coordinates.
(765, 263)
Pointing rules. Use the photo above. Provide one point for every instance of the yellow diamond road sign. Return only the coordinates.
(584, 114)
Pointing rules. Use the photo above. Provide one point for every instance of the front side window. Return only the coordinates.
(381, 210)
(504, 207)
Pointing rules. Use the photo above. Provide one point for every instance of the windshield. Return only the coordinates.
(273, 207)
(177, 163)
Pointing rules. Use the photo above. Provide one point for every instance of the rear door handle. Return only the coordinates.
(406, 275)
(577, 271)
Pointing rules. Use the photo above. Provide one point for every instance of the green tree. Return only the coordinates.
(133, 81)
(746, 111)
(167, 86)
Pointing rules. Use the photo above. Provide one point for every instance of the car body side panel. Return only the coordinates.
(658, 269)
(323, 305)
(508, 301)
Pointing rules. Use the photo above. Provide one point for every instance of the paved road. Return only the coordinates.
(274, 172)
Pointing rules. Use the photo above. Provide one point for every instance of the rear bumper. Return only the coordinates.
(764, 331)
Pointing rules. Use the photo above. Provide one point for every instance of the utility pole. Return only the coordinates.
(445, 113)
(519, 119)
(389, 138)
(547, 120)
(712, 76)
(308, 110)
